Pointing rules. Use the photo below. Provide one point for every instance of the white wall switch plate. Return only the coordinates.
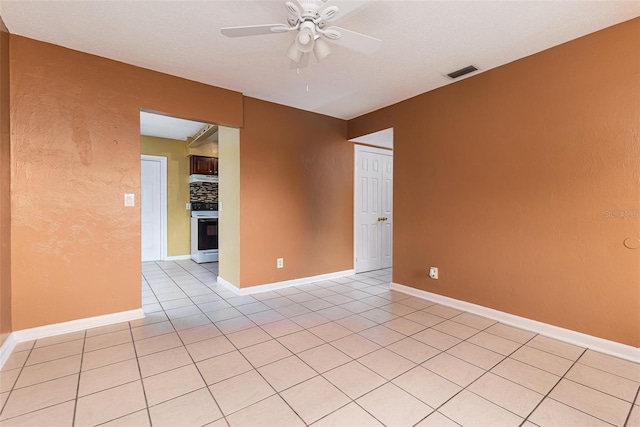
(188, 206)
(433, 272)
(280, 262)
(129, 199)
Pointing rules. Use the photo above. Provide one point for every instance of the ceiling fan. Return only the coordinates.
(309, 18)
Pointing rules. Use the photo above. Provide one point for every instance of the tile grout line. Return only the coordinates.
(626, 421)
(75, 404)
(144, 391)
(135, 352)
(554, 386)
(13, 386)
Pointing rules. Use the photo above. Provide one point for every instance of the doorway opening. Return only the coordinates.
(173, 153)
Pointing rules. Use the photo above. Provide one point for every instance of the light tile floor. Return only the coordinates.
(347, 352)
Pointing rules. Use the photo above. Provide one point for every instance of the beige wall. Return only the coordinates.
(178, 217)
(504, 181)
(229, 198)
(75, 250)
(296, 194)
(5, 188)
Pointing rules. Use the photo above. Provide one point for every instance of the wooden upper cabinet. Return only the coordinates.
(204, 165)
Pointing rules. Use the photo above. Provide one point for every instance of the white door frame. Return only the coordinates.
(163, 201)
(356, 194)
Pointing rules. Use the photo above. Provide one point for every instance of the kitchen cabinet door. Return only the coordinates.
(204, 165)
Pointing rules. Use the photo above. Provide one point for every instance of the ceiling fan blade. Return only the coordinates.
(345, 7)
(254, 30)
(293, 8)
(293, 13)
(352, 40)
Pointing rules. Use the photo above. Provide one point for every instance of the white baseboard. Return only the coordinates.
(612, 348)
(77, 325)
(177, 258)
(228, 285)
(6, 348)
(285, 284)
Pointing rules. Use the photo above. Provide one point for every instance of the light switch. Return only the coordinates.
(129, 199)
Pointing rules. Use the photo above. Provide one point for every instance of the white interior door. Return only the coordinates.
(373, 209)
(386, 202)
(152, 172)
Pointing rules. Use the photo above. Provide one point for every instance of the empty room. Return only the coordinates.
(319, 213)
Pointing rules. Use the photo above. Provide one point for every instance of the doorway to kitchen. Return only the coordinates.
(187, 153)
(373, 202)
(192, 150)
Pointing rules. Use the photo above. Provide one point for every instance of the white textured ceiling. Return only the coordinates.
(168, 127)
(422, 41)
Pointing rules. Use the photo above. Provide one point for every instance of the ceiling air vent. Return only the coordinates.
(461, 72)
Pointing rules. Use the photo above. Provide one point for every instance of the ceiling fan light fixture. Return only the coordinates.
(293, 53)
(321, 49)
(305, 40)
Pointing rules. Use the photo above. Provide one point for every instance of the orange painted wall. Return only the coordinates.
(76, 147)
(5, 188)
(296, 194)
(506, 181)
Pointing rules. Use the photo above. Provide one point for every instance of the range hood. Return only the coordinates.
(203, 178)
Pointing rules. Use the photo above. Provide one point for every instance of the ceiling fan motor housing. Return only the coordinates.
(310, 6)
(305, 39)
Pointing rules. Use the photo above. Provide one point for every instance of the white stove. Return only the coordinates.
(204, 232)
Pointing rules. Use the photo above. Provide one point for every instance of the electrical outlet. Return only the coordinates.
(188, 206)
(433, 272)
(280, 262)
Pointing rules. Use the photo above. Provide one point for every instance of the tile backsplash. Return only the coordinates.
(203, 192)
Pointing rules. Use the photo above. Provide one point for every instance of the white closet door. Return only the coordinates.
(374, 202)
